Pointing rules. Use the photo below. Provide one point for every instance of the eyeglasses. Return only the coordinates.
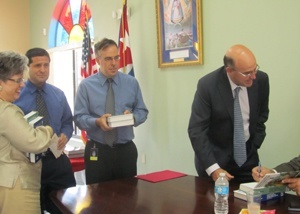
(18, 81)
(249, 73)
(110, 59)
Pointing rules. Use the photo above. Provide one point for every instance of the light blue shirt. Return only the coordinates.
(60, 114)
(90, 104)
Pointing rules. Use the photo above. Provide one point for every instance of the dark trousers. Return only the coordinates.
(113, 163)
(56, 174)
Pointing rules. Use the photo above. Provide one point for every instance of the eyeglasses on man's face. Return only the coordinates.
(248, 73)
(18, 81)
(110, 59)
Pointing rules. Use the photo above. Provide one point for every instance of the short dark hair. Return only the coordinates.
(228, 61)
(12, 63)
(36, 52)
(103, 44)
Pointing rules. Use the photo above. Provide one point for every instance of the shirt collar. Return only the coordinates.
(32, 88)
(103, 78)
(233, 85)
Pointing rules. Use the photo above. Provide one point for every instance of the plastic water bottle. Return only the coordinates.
(221, 194)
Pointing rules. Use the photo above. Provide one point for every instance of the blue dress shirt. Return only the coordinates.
(60, 114)
(90, 104)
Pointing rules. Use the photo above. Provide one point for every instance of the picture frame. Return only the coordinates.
(179, 32)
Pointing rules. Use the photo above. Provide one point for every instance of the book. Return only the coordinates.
(252, 186)
(31, 115)
(34, 158)
(34, 120)
(74, 151)
(38, 121)
(294, 206)
(270, 183)
(276, 178)
(264, 197)
(120, 120)
(121, 117)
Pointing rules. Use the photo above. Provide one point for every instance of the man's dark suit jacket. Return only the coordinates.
(211, 123)
(292, 165)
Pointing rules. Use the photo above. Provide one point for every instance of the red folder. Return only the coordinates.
(161, 176)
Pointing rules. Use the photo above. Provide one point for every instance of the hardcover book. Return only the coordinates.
(31, 115)
(264, 197)
(270, 183)
(34, 120)
(74, 151)
(120, 120)
(254, 186)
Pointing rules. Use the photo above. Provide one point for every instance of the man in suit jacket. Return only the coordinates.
(292, 165)
(211, 123)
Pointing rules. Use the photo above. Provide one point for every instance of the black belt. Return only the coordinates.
(115, 145)
(48, 152)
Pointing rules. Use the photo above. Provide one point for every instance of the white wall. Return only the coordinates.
(270, 28)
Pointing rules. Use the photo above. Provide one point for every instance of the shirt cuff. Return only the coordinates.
(212, 168)
(274, 170)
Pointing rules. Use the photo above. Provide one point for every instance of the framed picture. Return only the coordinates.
(179, 32)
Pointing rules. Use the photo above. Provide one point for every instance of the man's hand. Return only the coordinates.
(101, 122)
(293, 184)
(216, 173)
(127, 112)
(62, 141)
(259, 174)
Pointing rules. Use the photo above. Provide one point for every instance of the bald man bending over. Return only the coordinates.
(211, 125)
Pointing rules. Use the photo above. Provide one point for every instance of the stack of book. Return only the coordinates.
(74, 151)
(270, 186)
(34, 120)
(120, 120)
(266, 193)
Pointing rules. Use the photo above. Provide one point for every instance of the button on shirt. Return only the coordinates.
(90, 104)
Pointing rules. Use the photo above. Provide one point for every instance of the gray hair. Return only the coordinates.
(12, 63)
(103, 44)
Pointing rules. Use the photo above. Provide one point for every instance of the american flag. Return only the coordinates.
(126, 64)
(88, 64)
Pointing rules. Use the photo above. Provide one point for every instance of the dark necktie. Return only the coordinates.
(41, 107)
(110, 137)
(239, 145)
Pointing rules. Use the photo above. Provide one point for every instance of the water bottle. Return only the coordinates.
(221, 194)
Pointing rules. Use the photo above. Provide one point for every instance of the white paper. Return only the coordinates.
(53, 147)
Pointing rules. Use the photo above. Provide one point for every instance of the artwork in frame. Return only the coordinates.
(179, 32)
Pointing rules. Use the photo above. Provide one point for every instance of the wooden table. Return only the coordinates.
(183, 195)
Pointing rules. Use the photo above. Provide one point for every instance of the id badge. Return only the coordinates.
(94, 154)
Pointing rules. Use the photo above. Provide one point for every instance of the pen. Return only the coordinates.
(259, 168)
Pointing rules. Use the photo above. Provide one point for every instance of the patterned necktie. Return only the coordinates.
(41, 107)
(239, 144)
(110, 137)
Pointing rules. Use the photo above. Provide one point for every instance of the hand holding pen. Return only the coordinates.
(259, 169)
(259, 172)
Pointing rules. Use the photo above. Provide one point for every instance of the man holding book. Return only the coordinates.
(56, 173)
(293, 165)
(110, 152)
